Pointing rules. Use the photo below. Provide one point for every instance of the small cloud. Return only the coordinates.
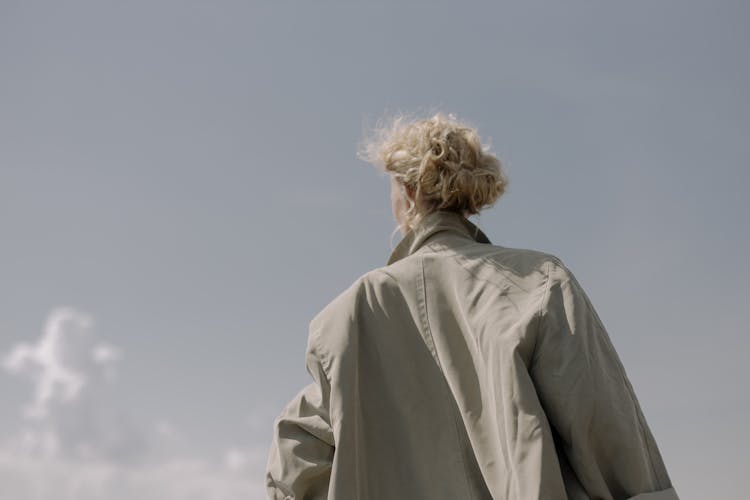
(245, 460)
(235, 460)
(107, 356)
(54, 368)
(73, 410)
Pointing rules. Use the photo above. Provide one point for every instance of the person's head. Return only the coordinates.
(434, 163)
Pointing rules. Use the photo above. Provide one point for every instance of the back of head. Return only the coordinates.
(440, 160)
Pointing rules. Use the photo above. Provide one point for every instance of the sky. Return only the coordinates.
(180, 194)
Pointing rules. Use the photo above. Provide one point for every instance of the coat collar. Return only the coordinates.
(434, 222)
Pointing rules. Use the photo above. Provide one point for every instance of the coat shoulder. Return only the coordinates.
(339, 317)
(519, 259)
(504, 266)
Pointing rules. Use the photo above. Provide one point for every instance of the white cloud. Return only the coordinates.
(235, 460)
(50, 363)
(76, 442)
(105, 354)
(74, 404)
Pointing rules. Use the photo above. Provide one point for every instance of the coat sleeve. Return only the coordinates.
(301, 453)
(589, 400)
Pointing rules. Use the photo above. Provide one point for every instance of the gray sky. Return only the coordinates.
(179, 195)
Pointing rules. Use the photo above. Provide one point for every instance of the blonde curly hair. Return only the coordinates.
(440, 159)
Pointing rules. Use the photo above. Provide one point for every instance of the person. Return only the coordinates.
(461, 369)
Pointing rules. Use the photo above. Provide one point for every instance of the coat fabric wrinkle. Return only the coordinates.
(463, 370)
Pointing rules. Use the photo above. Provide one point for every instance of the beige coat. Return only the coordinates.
(463, 370)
